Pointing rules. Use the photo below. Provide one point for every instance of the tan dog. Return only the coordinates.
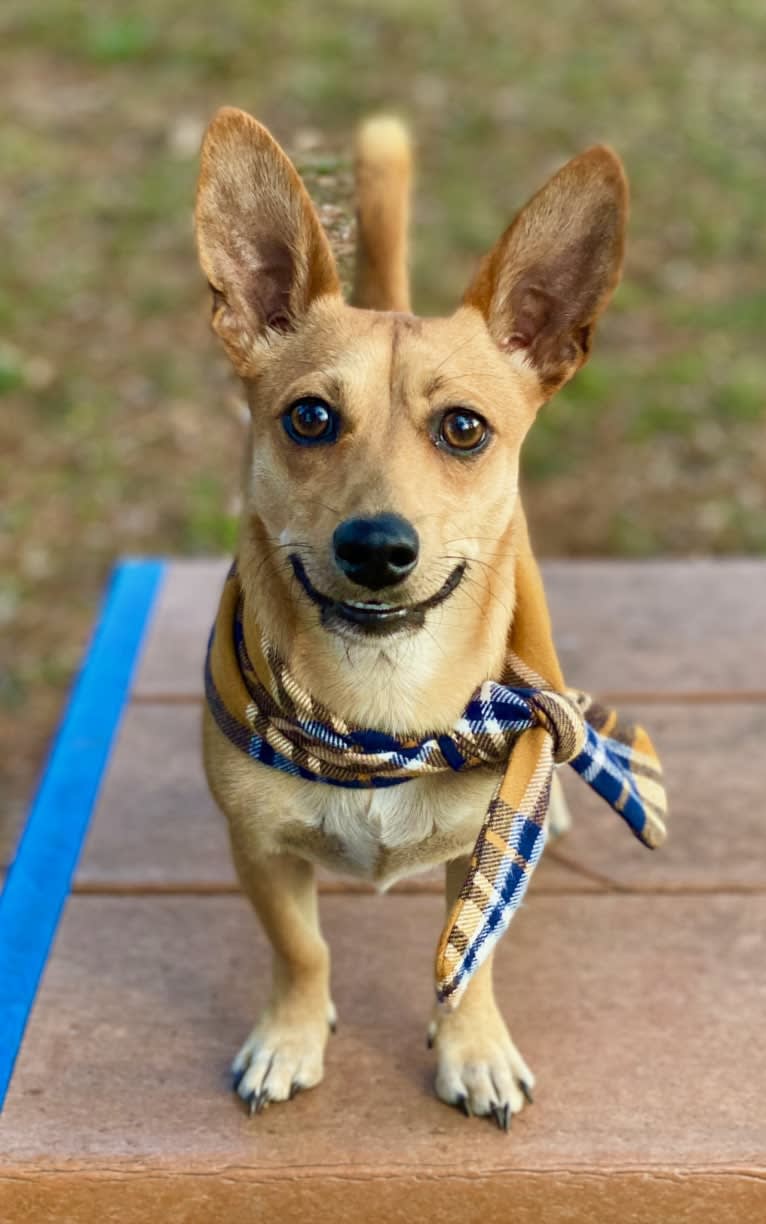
(382, 474)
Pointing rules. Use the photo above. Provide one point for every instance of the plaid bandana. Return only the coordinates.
(524, 725)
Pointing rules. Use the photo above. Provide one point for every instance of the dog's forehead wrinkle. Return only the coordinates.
(395, 378)
(390, 363)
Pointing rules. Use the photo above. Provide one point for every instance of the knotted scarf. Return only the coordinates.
(524, 723)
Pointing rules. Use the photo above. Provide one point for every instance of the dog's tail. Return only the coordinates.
(383, 168)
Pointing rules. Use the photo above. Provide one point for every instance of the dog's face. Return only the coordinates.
(382, 478)
(383, 470)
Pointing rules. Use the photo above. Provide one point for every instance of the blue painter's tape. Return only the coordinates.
(40, 877)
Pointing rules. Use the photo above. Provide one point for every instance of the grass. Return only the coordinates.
(119, 427)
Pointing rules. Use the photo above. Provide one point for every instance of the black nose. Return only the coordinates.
(376, 552)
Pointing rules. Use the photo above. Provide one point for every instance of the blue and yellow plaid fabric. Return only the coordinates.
(521, 726)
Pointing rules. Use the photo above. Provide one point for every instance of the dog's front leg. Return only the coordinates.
(479, 1068)
(285, 1051)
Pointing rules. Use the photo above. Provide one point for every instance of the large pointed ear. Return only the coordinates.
(543, 285)
(261, 244)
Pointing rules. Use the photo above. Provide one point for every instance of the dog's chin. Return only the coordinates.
(372, 619)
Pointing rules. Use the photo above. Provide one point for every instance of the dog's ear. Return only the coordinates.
(261, 244)
(545, 282)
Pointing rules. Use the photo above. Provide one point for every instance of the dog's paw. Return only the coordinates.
(479, 1069)
(281, 1057)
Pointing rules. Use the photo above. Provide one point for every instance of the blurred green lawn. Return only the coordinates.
(119, 427)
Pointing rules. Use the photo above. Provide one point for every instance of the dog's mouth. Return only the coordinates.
(374, 618)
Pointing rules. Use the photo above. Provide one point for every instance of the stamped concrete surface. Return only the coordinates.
(634, 982)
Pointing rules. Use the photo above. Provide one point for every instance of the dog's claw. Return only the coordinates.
(237, 1078)
(481, 1073)
(503, 1115)
(429, 1041)
(295, 1088)
(257, 1101)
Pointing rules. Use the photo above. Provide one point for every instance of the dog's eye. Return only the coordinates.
(311, 421)
(462, 430)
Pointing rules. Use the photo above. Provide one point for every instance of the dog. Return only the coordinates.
(380, 535)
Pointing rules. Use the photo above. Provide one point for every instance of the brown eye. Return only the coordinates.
(462, 430)
(311, 421)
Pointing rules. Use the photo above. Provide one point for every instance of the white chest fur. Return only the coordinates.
(387, 833)
(381, 835)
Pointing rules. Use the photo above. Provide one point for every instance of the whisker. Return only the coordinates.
(458, 347)
(277, 562)
(448, 378)
(325, 506)
(476, 561)
(475, 602)
(488, 590)
(483, 538)
(294, 544)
